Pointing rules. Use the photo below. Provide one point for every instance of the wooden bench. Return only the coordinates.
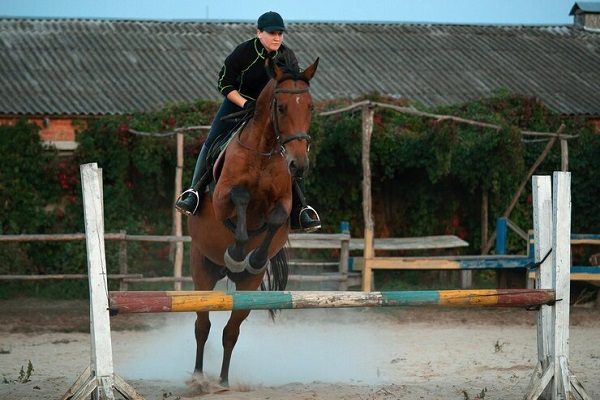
(349, 269)
(411, 243)
(333, 241)
(464, 263)
(588, 273)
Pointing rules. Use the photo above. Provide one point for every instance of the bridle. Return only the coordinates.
(280, 148)
(275, 118)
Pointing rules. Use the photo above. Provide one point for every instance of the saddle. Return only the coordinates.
(216, 157)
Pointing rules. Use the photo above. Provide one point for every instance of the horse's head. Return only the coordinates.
(291, 110)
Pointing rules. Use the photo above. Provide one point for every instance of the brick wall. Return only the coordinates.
(58, 130)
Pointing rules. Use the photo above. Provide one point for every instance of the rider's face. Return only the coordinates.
(270, 40)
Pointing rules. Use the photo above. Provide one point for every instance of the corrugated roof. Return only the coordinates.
(116, 66)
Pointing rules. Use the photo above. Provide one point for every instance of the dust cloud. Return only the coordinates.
(301, 346)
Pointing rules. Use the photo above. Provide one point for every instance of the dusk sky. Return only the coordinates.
(519, 12)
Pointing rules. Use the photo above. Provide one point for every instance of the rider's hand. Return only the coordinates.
(249, 104)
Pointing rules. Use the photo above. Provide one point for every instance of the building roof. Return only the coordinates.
(585, 6)
(96, 67)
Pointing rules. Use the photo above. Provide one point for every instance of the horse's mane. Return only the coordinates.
(290, 69)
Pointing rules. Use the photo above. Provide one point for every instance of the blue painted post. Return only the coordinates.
(501, 236)
(345, 228)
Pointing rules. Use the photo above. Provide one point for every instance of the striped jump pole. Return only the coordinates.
(187, 301)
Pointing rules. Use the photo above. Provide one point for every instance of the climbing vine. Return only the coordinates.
(429, 176)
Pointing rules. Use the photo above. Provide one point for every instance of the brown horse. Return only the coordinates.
(241, 230)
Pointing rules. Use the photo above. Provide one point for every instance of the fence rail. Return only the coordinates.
(297, 241)
(341, 241)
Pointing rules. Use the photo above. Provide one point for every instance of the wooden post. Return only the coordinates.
(369, 251)
(501, 235)
(123, 267)
(177, 229)
(99, 378)
(344, 256)
(564, 155)
(561, 259)
(542, 227)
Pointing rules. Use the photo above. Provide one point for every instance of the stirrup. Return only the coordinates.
(183, 210)
(311, 228)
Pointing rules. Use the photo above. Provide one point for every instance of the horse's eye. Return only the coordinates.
(281, 108)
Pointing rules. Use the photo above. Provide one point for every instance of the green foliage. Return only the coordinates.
(24, 375)
(27, 179)
(429, 177)
(30, 195)
(41, 193)
(479, 396)
(138, 170)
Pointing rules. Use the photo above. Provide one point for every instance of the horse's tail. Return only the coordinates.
(277, 275)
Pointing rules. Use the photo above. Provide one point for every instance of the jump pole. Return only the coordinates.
(188, 301)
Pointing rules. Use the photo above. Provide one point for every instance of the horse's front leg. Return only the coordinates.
(235, 254)
(258, 260)
(231, 331)
(205, 274)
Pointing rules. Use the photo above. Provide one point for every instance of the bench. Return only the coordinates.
(588, 273)
(435, 242)
(467, 263)
(349, 269)
(332, 241)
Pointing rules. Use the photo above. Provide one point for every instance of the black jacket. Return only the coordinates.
(245, 68)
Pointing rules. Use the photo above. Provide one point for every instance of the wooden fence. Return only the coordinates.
(349, 269)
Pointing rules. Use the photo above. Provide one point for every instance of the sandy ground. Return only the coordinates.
(351, 354)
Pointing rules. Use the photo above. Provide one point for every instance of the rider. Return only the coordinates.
(242, 78)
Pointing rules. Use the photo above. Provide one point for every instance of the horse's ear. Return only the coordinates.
(309, 72)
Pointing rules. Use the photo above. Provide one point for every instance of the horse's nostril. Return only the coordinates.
(296, 171)
(293, 166)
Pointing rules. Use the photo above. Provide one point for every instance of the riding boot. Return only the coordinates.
(303, 217)
(188, 201)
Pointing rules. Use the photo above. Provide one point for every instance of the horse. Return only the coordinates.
(241, 230)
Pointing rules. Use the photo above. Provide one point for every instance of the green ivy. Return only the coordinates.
(29, 195)
(429, 176)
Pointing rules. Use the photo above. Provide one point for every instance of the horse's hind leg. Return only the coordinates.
(231, 333)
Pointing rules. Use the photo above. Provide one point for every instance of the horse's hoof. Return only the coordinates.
(233, 265)
(200, 384)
